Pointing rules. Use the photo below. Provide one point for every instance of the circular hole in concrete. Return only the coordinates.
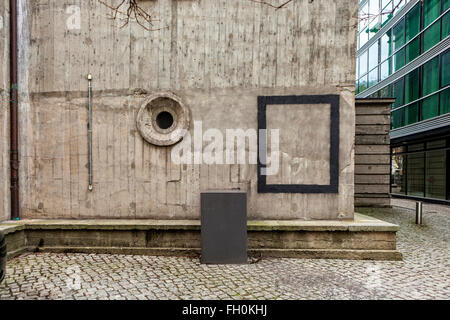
(164, 120)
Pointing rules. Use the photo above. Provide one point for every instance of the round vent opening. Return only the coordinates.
(164, 120)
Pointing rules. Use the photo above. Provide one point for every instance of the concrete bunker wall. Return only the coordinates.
(218, 56)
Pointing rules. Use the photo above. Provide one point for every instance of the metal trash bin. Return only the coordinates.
(224, 227)
(2, 256)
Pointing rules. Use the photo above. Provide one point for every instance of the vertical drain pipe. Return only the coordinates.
(90, 130)
(14, 97)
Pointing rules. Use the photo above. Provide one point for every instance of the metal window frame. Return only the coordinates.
(425, 150)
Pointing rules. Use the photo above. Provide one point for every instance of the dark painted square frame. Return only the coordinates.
(333, 101)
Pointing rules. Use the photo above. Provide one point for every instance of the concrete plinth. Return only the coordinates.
(361, 238)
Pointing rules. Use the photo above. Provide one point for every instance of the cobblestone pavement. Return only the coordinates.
(423, 273)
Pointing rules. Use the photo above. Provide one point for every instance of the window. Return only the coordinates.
(397, 93)
(398, 33)
(415, 173)
(435, 182)
(398, 4)
(363, 63)
(374, 27)
(445, 25)
(413, 50)
(373, 56)
(398, 171)
(445, 69)
(412, 22)
(430, 107)
(431, 10)
(411, 113)
(374, 7)
(431, 36)
(363, 83)
(397, 118)
(412, 86)
(386, 12)
(373, 77)
(386, 4)
(430, 76)
(363, 14)
(385, 69)
(420, 169)
(363, 37)
(445, 4)
(399, 59)
(385, 46)
(445, 101)
(386, 92)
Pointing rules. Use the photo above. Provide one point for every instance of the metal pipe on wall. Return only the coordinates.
(14, 123)
(90, 130)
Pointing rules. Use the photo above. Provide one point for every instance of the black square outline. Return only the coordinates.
(333, 101)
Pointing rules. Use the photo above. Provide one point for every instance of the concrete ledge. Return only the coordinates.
(362, 238)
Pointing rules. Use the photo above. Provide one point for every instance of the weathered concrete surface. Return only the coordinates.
(362, 238)
(4, 111)
(218, 56)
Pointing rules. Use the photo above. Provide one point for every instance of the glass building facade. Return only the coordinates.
(404, 53)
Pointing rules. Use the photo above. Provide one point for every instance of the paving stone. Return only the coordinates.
(423, 273)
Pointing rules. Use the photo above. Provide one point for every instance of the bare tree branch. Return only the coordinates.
(275, 6)
(130, 10)
(134, 12)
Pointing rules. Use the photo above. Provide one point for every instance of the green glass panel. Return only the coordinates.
(445, 25)
(445, 5)
(398, 33)
(397, 93)
(415, 173)
(445, 101)
(431, 10)
(430, 76)
(397, 118)
(385, 46)
(399, 59)
(413, 50)
(413, 22)
(411, 113)
(431, 36)
(445, 69)
(356, 87)
(412, 86)
(430, 107)
(436, 175)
